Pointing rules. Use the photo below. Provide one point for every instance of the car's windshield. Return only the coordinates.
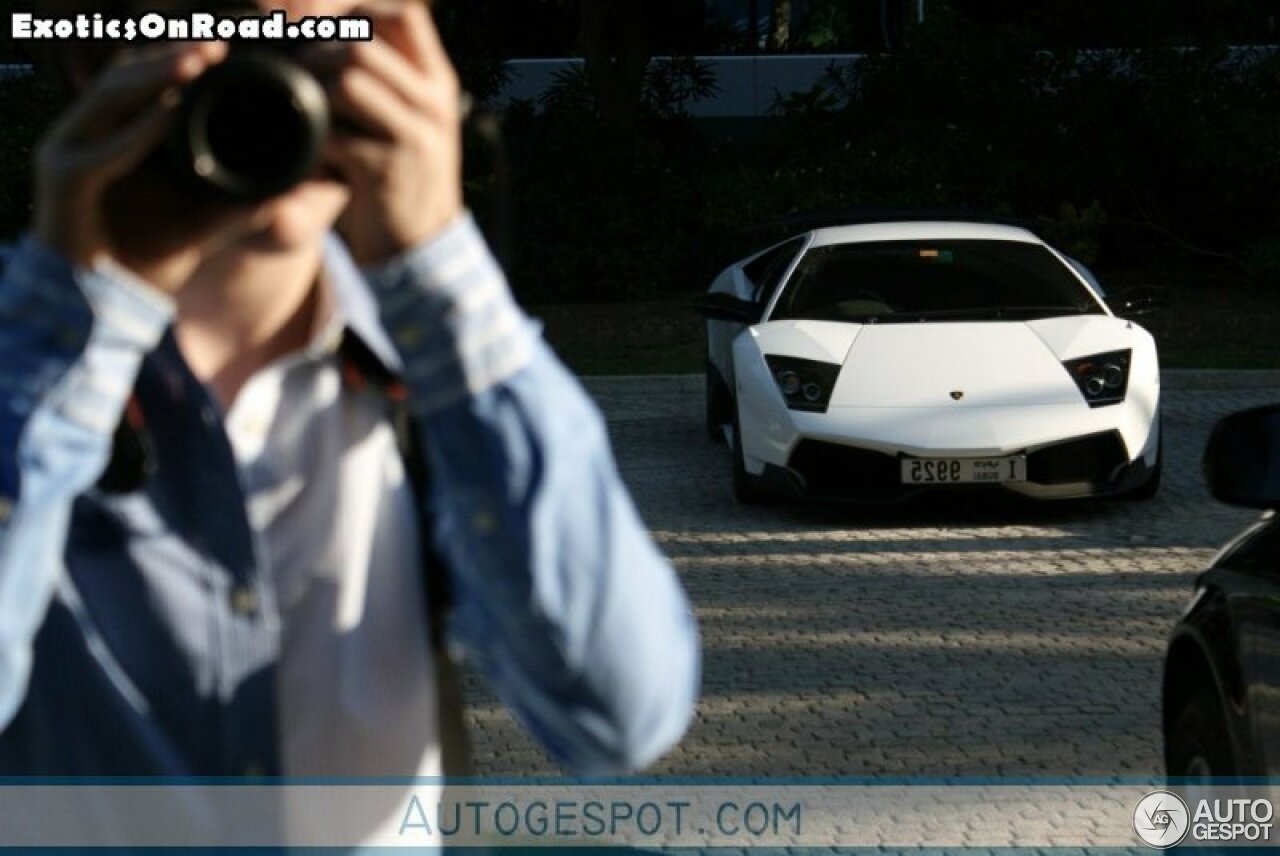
(907, 281)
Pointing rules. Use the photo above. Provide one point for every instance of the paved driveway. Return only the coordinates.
(1002, 639)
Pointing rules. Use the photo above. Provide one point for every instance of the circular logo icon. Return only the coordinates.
(1161, 819)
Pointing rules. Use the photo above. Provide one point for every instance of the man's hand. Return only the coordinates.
(96, 196)
(397, 141)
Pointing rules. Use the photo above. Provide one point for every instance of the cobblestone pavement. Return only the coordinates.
(1000, 639)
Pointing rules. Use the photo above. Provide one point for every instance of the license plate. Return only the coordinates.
(964, 470)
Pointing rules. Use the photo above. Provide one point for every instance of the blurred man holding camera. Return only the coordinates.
(214, 527)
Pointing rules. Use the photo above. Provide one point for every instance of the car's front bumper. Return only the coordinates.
(1093, 465)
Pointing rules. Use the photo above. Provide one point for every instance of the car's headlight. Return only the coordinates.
(1103, 378)
(804, 384)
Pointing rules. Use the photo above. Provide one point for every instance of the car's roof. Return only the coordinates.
(936, 230)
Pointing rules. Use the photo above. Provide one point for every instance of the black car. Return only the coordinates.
(1222, 669)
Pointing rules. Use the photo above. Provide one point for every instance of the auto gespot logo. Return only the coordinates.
(1162, 819)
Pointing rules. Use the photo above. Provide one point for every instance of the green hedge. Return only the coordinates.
(25, 112)
(1121, 157)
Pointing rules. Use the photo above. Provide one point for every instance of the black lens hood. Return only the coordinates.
(252, 126)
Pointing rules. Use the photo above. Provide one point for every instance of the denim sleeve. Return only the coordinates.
(561, 597)
(71, 341)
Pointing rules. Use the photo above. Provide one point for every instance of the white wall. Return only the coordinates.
(746, 85)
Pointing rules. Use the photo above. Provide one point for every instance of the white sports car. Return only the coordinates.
(873, 362)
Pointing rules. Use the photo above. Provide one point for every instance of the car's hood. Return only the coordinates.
(824, 341)
(962, 364)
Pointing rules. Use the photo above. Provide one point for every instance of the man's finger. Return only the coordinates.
(349, 153)
(384, 62)
(427, 38)
(129, 86)
(122, 152)
(365, 101)
(409, 28)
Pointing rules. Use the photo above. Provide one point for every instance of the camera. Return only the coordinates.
(251, 127)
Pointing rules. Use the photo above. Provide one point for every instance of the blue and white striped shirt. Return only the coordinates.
(144, 634)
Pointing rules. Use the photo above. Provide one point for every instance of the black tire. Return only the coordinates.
(1149, 488)
(719, 405)
(746, 487)
(1198, 746)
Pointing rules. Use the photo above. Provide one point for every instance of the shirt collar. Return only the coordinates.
(353, 306)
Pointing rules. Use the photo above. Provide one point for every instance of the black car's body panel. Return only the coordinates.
(1229, 639)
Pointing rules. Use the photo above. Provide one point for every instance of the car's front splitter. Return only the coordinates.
(1094, 465)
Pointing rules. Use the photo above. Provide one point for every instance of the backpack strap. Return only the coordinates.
(361, 367)
(133, 454)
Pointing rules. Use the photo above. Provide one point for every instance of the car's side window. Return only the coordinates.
(756, 270)
(765, 272)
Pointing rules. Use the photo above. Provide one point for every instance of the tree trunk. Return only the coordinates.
(780, 29)
(611, 36)
(896, 17)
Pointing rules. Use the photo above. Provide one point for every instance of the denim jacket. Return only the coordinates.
(126, 644)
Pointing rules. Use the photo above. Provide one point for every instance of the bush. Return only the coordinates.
(27, 107)
(599, 215)
(1180, 147)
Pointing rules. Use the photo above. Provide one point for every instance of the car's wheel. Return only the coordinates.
(719, 404)
(1149, 488)
(746, 487)
(1198, 746)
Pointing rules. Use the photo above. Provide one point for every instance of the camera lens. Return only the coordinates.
(251, 127)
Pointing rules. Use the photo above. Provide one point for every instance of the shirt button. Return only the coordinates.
(409, 336)
(244, 601)
(484, 523)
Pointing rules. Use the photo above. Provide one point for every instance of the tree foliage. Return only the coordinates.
(1122, 155)
(1151, 148)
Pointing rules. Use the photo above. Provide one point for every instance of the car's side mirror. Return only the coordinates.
(1137, 302)
(720, 306)
(1242, 458)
